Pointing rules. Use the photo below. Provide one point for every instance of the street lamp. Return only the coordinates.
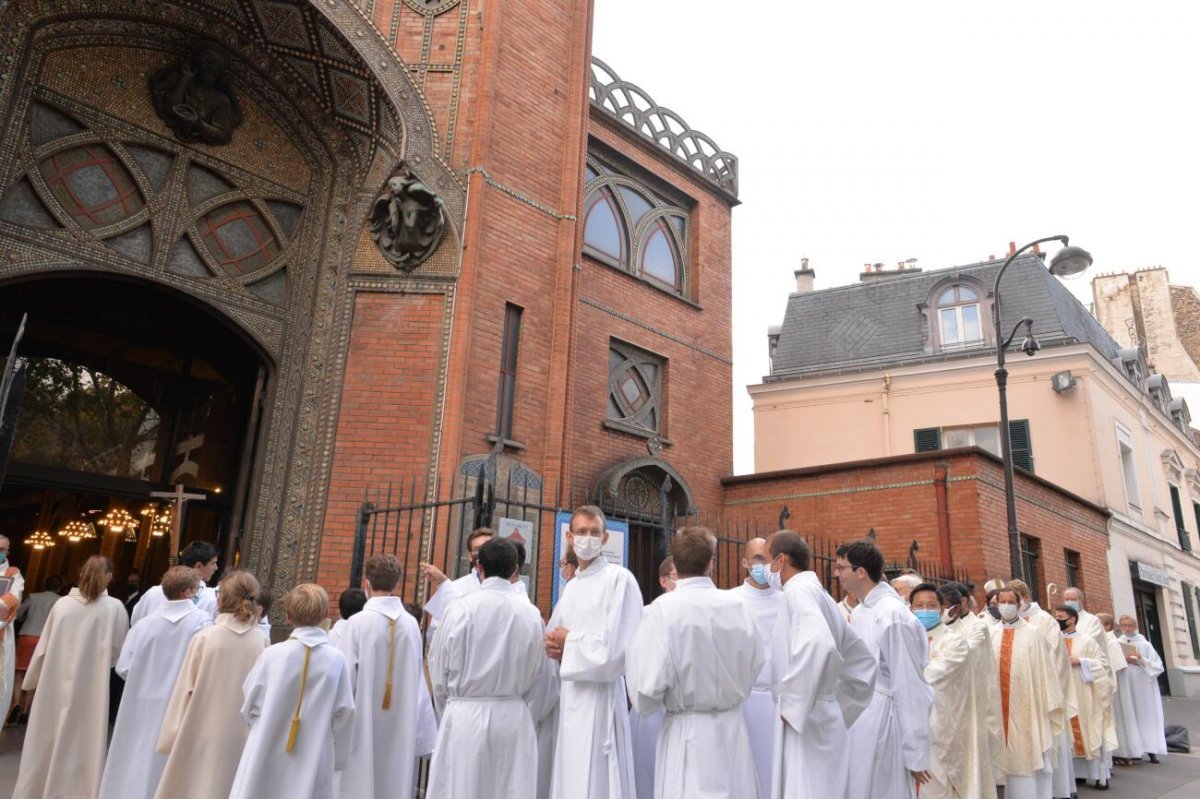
(1068, 262)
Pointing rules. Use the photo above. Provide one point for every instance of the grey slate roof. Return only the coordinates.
(879, 324)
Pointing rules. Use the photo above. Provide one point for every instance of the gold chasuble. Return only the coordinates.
(1031, 695)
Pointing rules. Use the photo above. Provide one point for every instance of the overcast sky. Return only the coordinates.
(881, 131)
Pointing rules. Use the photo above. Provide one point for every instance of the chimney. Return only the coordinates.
(876, 271)
(805, 277)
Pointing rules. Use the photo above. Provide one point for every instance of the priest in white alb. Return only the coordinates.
(543, 701)
(764, 603)
(298, 704)
(1141, 680)
(1093, 695)
(949, 676)
(589, 633)
(1116, 661)
(983, 754)
(895, 726)
(393, 722)
(1032, 704)
(149, 663)
(824, 677)
(696, 654)
(485, 664)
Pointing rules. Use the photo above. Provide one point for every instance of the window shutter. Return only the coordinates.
(927, 439)
(1188, 605)
(1022, 446)
(1185, 541)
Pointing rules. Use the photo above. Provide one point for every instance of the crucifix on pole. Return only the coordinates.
(177, 498)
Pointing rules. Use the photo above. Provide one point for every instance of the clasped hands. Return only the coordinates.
(556, 639)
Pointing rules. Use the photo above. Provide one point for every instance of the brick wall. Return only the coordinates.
(897, 497)
(388, 412)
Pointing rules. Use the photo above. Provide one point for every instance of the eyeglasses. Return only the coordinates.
(588, 531)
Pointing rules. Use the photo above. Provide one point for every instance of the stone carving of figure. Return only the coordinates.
(407, 220)
(194, 98)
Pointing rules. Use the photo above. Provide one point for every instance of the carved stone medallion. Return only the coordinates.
(407, 220)
(194, 98)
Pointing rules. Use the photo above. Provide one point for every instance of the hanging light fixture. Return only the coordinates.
(162, 523)
(40, 540)
(77, 530)
(117, 520)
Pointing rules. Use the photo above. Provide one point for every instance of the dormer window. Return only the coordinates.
(1132, 365)
(958, 314)
(1160, 392)
(1180, 414)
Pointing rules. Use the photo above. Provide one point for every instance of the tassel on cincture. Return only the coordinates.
(387, 694)
(291, 741)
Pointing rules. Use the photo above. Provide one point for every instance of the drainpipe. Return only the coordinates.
(887, 418)
(941, 491)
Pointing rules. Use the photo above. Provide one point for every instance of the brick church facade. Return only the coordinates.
(405, 242)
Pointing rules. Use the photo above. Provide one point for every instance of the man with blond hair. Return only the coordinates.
(696, 654)
(299, 703)
(149, 664)
(393, 721)
(589, 634)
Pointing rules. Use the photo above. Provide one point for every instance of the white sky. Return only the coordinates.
(880, 131)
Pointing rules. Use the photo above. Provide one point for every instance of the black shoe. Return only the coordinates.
(1102, 786)
(13, 715)
(1154, 758)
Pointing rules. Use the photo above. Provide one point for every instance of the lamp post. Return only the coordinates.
(1069, 261)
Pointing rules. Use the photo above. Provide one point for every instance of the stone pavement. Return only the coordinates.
(1177, 777)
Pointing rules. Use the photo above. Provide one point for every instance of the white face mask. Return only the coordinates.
(774, 580)
(1008, 611)
(949, 616)
(588, 547)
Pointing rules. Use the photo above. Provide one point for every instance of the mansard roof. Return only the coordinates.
(880, 324)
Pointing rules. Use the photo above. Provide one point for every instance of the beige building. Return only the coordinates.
(906, 363)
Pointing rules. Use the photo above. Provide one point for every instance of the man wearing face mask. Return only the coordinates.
(986, 744)
(696, 654)
(824, 678)
(10, 603)
(1047, 625)
(593, 623)
(1093, 693)
(949, 675)
(1032, 702)
(1089, 625)
(764, 604)
(895, 726)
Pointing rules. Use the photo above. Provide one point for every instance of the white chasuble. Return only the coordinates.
(1093, 692)
(759, 708)
(67, 737)
(1141, 678)
(601, 609)
(383, 650)
(696, 655)
(149, 664)
(949, 674)
(299, 705)
(824, 679)
(984, 756)
(896, 723)
(203, 732)
(485, 664)
(10, 604)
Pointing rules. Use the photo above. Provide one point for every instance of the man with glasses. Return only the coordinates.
(592, 625)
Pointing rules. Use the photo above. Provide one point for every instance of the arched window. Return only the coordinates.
(959, 321)
(634, 229)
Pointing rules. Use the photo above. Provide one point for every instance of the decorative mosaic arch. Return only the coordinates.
(633, 107)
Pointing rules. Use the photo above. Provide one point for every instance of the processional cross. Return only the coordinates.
(177, 498)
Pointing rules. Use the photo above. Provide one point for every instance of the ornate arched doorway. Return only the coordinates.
(228, 152)
(650, 495)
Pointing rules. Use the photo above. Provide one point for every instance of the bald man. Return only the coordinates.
(764, 603)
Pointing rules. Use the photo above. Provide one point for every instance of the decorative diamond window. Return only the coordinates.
(629, 227)
(635, 380)
(238, 238)
(91, 185)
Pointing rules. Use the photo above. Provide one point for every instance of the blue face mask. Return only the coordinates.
(1073, 605)
(196, 599)
(758, 573)
(928, 618)
(3, 558)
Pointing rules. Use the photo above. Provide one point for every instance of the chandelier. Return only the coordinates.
(162, 523)
(118, 520)
(40, 540)
(76, 531)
